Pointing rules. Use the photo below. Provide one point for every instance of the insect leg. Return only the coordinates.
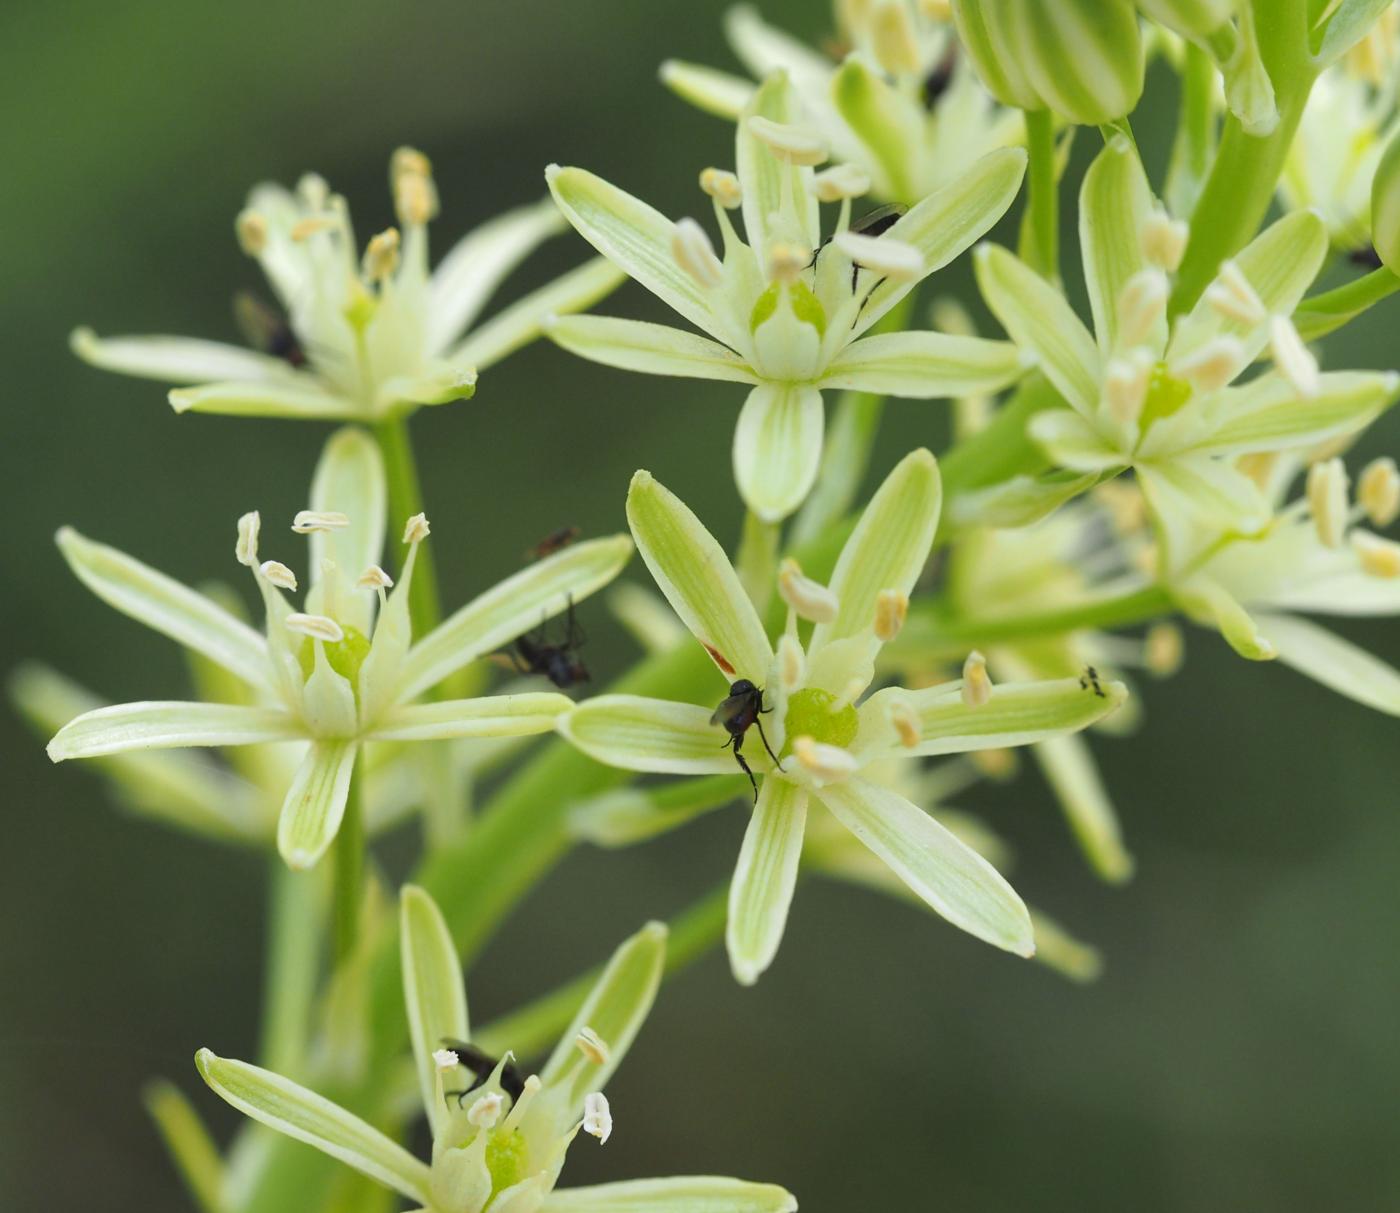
(766, 746)
(744, 764)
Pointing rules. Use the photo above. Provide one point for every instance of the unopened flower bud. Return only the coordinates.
(694, 253)
(723, 187)
(1327, 498)
(1378, 491)
(976, 682)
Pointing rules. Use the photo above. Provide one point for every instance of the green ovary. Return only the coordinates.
(343, 656)
(813, 713)
(1165, 395)
(805, 306)
(505, 1159)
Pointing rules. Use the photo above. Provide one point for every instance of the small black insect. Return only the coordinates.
(535, 653)
(1090, 678)
(553, 542)
(481, 1065)
(1366, 257)
(266, 329)
(937, 81)
(875, 223)
(738, 713)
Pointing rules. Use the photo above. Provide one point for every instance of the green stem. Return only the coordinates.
(349, 861)
(405, 500)
(533, 1028)
(934, 628)
(1325, 313)
(757, 561)
(295, 914)
(1040, 238)
(845, 457)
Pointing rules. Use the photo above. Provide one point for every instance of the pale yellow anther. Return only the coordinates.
(852, 691)
(810, 599)
(246, 549)
(792, 663)
(1233, 296)
(313, 191)
(1259, 466)
(891, 610)
(1125, 383)
(375, 578)
(976, 682)
(1378, 491)
(279, 574)
(1213, 365)
(839, 182)
(796, 144)
(1162, 649)
(787, 261)
(999, 764)
(1327, 499)
(1124, 504)
(486, 1111)
(827, 762)
(1379, 557)
(892, 38)
(597, 1116)
(905, 722)
(411, 180)
(310, 522)
(381, 257)
(416, 529)
(853, 14)
(882, 255)
(318, 627)
(409, 161)
(251, 229)
(304, 229)
(444, 1059)
(1292, 357)
(1163, 240)
(723, 186)
(937, 10)
(592, 1046)
(1141, 305)
(694, 253)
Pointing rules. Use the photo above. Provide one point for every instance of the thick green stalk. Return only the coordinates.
(349, 859)
(405, 500)
(1040, 235)
(295, 914)
(1325, 313)
(845, 457)
(931, 627)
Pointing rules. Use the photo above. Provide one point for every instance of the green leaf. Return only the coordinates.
(652, 349)
(765, 878)
(433, 993)
(778, 447)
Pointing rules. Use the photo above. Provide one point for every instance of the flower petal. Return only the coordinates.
(884, 120)
(948, 222)
(1210, 604)
(947, 874)
(1336, 663)
(433, 994)
(189, 1144)
(641, 734)
(167, 725)
(775, 190)
(1017, 713)
(674, 1194)
(925, 366)
(1072, 441)
(478, 263)
(179, 359)
(633, 236)
(692, 571)
(615, 1009)
(163, 604)
(778, 447)
(281, 1104)
(1041, 321)
(1069, 768)
(1269, 415)
(315, 802)
(349, 480)
(888, 548)
(719, 93)
(1192, 491)
(302, 400)
(653, 349)
(764, 880)
(1114, 201)
(488, 716)
(511, 608)
(525, 319)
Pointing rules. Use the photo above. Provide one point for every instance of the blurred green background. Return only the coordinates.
(1241, 1050)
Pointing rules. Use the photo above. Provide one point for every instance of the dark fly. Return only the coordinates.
(739, 712)
(1090, 678)
(536, 653)
(266, 329)
(937, 81)
(875, 223)
(553, 542)
(481, 1065)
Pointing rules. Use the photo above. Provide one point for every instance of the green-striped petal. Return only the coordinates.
(434, 996)
(764, 880)
(653, 349)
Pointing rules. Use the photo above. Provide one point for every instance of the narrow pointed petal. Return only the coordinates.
(300, 400)
(775, 191)
(765, 878)
(1072, 442)
(315, 802)
(1193, 490)
(1069, 768)
(189, 1144)
(692, 571)
(169, 725)
(1041, 321)
(888, 549)
(1114, 202)
(434, 997)
(178, 359)
(633, 236)
(1268, 414)
(488, 716)
(884, 121)
(511, 608)
(349, 480)
(281, 1104)
(615, 1009)
(947, 874)
(640, 734)
(674, 1194)
(925, 366)
(778, 448)
(719, 93)
(1017, 713)
(1211, 604)
(1336, 663)
(525, 319)
(653, 349)
(950, 221)
(478, 263)
(163, 604)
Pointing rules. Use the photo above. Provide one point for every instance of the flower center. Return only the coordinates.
(804, 304)
(1165, 395)
(813, 713)
(505, 1158)
(345, 656)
